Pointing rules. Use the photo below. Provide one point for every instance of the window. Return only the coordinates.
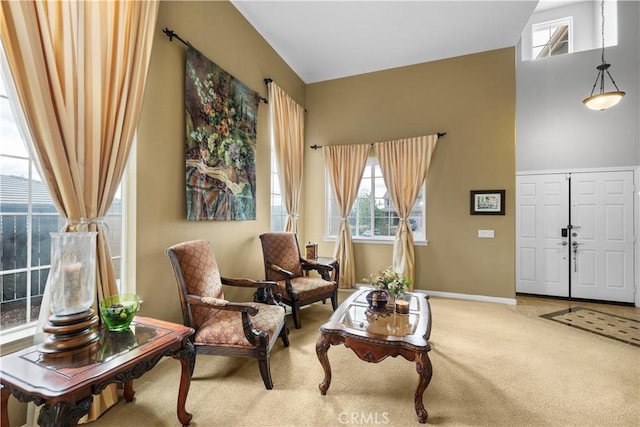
(552, 38)
(373, 216)
(567, 27)
(278, 211)
(27, 216)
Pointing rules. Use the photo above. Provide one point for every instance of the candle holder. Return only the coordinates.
(73, 324)
(402, 304)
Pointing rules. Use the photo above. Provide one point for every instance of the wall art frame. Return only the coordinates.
(487, 202)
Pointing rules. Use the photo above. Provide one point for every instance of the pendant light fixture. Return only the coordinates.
(603, 100)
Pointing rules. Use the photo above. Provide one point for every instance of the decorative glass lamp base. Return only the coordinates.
(70, 334)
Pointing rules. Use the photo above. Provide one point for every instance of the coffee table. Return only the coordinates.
(373, 338)
(66, 385)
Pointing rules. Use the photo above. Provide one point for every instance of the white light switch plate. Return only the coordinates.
(486, 234)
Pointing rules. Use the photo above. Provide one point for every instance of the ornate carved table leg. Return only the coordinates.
(322, 346)
(129, 392)
(187, 358)
(63, 413)
(425, 371)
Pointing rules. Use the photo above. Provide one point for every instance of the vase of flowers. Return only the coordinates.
(394, 283)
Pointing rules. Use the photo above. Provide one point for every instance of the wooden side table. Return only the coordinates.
(66, 385)
(333, 262)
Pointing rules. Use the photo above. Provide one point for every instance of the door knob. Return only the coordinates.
(563, 243)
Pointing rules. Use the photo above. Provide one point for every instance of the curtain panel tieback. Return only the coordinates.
(98, 222)
(84, 223)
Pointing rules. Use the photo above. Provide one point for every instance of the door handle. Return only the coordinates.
(562, 243)
(575, 255)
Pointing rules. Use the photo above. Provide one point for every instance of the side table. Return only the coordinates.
(66, 385)
(333, 262)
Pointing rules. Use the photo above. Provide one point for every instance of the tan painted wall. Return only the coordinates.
(472, 98)
(220, 32)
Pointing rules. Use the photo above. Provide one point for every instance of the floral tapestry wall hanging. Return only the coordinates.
(221, 118)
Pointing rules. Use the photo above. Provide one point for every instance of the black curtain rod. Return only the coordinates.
(269, 80)
(171, 34)
(440, 135)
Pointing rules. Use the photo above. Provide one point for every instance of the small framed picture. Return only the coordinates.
(487, 202)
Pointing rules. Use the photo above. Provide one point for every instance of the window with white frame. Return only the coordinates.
(552, 38)
(27, 216)
(374, 216)
(278, 211)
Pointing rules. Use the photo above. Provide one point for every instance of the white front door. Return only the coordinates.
(542, 258)
(575, 235)
(602, 236)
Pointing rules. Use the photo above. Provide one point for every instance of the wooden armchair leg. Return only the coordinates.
(265, 371)
(334, 301)
(296, 316)
(284, 335)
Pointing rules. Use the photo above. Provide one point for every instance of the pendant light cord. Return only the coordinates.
(602, 28)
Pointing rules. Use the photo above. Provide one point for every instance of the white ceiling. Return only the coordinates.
(324, 40)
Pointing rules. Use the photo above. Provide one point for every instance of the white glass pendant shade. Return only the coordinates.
(602, 101)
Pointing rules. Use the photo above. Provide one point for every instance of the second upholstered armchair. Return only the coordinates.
(284, 265)
(222, 327)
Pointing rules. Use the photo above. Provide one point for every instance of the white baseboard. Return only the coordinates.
(483, 298)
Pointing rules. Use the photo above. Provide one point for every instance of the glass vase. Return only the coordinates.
(73, 272)
(377, 300)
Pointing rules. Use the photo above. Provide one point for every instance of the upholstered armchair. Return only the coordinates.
(284, 265)
(223, 327)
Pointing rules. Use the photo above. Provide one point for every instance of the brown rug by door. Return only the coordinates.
(598, 322)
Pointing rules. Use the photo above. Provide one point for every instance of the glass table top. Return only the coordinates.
(392, 324)
(411, 298)
(358, 316)
(109, 346)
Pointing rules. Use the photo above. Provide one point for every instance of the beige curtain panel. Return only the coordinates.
(80, 69)
(287, 133)
(404, 164)
(345, 165)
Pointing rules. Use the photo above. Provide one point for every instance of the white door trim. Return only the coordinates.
(635, 169)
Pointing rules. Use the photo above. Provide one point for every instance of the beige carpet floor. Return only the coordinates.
(492, 366)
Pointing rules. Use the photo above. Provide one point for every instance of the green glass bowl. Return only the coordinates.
(117, 311)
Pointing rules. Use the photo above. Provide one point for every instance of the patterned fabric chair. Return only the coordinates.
(284, 265)
(223, 327)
